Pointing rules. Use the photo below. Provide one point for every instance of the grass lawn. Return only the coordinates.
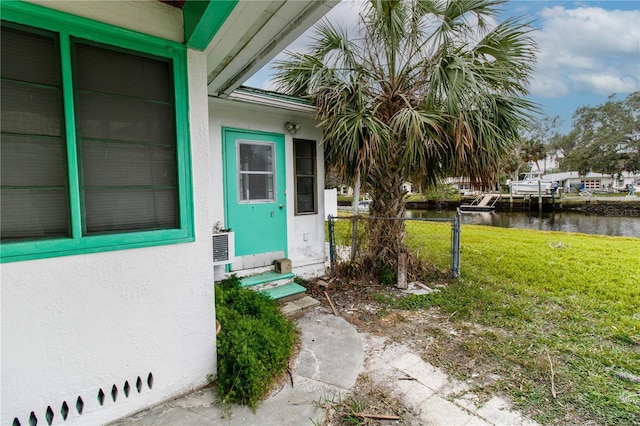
(551, 319)
(546, 300)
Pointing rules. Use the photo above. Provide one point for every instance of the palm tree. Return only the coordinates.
(427, 89)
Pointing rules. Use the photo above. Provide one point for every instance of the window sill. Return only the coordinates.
(31, 250)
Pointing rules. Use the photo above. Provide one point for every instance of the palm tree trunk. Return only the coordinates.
(386, 231)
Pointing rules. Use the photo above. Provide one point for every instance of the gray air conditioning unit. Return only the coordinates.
(223, 248)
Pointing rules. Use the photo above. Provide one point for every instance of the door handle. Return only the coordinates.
(281, 206)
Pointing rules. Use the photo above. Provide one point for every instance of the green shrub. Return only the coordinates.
(254, 344)
(386, 276)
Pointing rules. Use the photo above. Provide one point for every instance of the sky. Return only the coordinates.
(587, 51)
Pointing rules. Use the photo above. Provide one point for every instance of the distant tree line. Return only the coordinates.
(603, 138)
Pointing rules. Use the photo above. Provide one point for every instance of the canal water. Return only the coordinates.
(612, 224)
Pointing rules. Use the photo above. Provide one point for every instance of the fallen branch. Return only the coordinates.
(290, 375)
(553, 383)
(333, 308)
(376, 416)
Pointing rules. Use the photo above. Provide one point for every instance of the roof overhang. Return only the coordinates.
(271, 99)
(245, 35)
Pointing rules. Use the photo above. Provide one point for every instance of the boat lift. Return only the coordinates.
(481, 203)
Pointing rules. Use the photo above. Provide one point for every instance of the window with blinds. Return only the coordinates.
(126, 135)
(304, 152)
(92, 142)
(33, 166)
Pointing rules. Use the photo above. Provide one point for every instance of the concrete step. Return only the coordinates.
(283, 291)
(275, 285)
(266, 279)
(302, 302)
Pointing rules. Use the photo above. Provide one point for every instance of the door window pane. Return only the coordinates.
(256, 173)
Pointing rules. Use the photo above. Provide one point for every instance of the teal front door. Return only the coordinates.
(255, 196)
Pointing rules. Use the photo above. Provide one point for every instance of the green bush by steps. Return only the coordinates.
(254, 344)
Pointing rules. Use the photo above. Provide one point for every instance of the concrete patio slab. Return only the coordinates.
(438, 411)
(330, 360)
(332, 356)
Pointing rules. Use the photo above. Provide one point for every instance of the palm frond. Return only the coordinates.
(507, 55)
(295, 73)
(427, 88)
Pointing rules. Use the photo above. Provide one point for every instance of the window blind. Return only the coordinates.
(127, 139)
(33, 180)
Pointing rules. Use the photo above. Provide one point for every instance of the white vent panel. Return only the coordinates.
(223, 248)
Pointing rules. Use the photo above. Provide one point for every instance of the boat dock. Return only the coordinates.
(490, 201)
(548, 202)
(522, 202)
(481, 203)
(530, 203)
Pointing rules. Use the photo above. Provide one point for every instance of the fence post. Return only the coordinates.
(354, 237)
(331, 245)
(402, 270)
(455, 249)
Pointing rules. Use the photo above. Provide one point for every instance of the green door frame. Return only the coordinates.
(260, 225)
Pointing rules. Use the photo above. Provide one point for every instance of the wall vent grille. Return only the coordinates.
(223, 248)
(50, 415)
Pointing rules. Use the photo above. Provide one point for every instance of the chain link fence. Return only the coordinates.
(434, 241)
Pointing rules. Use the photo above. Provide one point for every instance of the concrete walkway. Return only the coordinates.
(332, 356)
(435, 397)
(329, 362)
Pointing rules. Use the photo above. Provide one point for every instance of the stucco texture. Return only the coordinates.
(74, 325)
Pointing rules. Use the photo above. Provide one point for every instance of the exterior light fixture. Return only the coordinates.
(292, 127)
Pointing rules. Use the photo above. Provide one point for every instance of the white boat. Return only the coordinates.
(531, 184)
(364, 205)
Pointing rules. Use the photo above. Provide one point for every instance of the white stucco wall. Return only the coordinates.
(76, 324)
(145, 16)
(305, 233)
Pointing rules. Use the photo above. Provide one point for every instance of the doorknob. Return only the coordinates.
(281, 206)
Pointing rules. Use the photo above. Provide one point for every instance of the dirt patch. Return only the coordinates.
(443, 340)
(428, 332)
(369, 404)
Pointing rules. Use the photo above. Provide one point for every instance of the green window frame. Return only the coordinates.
(306, 176)
(72, 29)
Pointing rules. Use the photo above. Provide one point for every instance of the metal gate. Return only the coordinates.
(432, 240)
